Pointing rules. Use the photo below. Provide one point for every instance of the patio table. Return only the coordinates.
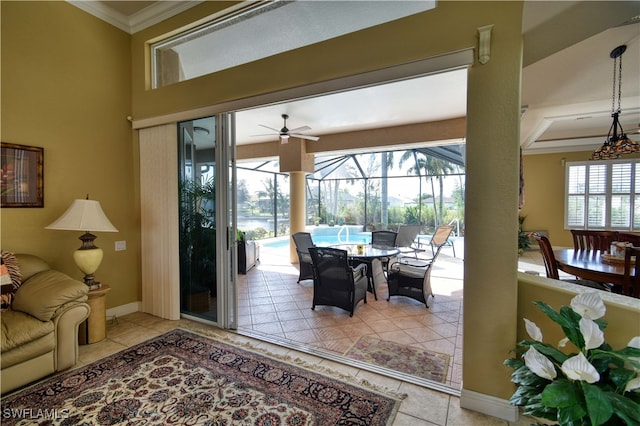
(368, 253)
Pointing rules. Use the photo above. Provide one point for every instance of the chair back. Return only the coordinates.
(629, 237)
(441, 235)
(333, 276)
(631, 281)
(550, 263)
(593, 240)
(407, 235)
(439, 239)
(384, 238)
(303, 241)
(335, 282)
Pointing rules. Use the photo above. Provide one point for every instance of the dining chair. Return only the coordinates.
(593, 240)
(631, 281)
(551, 266)
(629, 237)
(303, 242)
(335, 282)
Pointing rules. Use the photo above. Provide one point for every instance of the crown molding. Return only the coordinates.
(146, 17)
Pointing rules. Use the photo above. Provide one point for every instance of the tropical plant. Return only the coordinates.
(197, 235)
(595, 386)
(524, 242)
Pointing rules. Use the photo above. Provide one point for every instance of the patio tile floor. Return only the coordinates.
(271, 303)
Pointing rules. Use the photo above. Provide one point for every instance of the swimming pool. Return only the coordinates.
(323, 240)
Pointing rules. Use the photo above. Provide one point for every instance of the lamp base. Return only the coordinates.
(88, 259)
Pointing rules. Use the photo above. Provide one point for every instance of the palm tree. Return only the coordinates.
(431, 167)
(386, 163)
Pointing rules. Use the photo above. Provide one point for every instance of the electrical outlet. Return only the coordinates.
(121, 245)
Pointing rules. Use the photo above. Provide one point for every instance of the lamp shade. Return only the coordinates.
(83, 215)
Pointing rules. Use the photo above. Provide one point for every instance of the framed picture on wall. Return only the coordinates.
(21, 176)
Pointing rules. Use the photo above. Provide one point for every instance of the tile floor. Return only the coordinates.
(271, 304)
(421, 407)
(276, 310)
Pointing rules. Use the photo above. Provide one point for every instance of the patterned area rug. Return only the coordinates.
(184, 378)
(417, 362)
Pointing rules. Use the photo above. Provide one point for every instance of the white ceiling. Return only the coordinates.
(566, 95)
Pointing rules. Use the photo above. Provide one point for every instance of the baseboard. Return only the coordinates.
(122, 310)
(490, 405)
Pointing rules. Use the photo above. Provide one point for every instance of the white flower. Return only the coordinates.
(634, 343)
(533, 330)
(588, 305)
(578, 368)
(593, 336)
(633, 384)
(539, 364)
(562, 343)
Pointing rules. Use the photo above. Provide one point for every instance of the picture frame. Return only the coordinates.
(21, 175)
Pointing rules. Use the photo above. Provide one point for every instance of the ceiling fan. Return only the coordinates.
(285, 133)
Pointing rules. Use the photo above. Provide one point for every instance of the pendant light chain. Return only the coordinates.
(616, 144)
(619, 82)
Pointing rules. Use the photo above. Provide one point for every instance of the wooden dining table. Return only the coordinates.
(590, 265)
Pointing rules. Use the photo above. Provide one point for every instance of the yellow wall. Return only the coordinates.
(66, 86)
(544, 176)
(544, 194)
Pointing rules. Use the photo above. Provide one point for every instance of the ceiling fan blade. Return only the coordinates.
(265, 134)
(298, 135)
(299, 129)
(270, 128)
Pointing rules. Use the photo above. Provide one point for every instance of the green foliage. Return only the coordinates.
(612, 399)
(523, 237)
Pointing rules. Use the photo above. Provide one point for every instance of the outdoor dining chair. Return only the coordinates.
(412, 277)
(335, 282)
(303, 242)
(386, 239)
(551, 265)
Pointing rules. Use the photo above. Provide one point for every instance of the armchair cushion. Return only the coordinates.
(45, 292)
(30, 265)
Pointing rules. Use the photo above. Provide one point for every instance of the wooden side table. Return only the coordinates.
(94, 328)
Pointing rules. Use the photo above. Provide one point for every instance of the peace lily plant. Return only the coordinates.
(596, 386)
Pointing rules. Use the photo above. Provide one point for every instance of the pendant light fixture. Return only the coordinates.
(617, 142)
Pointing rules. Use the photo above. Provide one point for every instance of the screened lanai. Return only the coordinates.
(364, 191)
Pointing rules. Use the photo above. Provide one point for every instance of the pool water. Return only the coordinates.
(324, 240)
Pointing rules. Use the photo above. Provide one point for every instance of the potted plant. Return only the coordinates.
(595, 386)
(197, 244)
(524, 238)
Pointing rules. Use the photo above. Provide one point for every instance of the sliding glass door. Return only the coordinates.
(206, 219)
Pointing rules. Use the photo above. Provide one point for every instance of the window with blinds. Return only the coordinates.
(603, 195)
